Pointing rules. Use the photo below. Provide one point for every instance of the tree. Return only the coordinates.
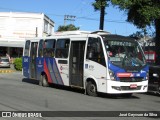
(138, 35)
(100, 5)
(69, 27)
(143, 13)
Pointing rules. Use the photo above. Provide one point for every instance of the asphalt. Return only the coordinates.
(20, 94)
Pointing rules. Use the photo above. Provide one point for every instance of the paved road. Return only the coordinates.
(20, 94)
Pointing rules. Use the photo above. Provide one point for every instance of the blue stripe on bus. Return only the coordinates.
(26, 63)
(52, 73)
(39, 67)
(117, 69)
(57, 73)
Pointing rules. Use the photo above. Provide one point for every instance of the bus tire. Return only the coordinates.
(91, 89)
(44, 81)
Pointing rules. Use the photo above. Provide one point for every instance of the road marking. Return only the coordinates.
(6, 71)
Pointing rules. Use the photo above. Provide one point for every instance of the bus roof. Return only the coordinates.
(117, 37)
(78, 32)
(101, 32)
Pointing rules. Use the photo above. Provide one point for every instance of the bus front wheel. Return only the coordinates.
(44, 81)
(91, 89)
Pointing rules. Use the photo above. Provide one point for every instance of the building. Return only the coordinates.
(15, 27)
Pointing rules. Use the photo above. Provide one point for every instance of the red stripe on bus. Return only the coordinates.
(47, 72)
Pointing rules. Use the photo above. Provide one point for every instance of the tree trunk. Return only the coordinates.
(101, 25)
(157, 41)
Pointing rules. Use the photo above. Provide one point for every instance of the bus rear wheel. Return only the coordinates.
(44, 81)
(91, 89)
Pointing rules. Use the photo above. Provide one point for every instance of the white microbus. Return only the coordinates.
(94, 61)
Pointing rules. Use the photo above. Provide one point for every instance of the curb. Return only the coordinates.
(6, 71)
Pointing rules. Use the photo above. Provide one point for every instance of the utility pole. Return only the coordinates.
(68, 18)
(36, 31)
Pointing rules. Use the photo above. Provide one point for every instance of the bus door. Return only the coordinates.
(95, 64)
(26, 58)
(33, 55)
(76, 63)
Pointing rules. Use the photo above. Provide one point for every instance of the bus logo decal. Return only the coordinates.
(39, 62)
(86, 66)
(25, 59)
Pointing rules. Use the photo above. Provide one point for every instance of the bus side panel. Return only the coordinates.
(62, 70)
(98, 72)
(39, 67)
(26, 63)
(52, 71)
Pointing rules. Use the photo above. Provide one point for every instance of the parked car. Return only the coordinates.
(154, 79)
(4, 62)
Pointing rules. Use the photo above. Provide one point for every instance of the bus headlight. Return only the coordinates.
(111, 73)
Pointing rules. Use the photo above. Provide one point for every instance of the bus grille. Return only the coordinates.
(131, 79)
(128, 88)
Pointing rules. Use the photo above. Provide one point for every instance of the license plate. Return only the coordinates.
(133, 86)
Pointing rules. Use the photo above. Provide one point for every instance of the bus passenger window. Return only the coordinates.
(95, 51)
(49, 48)
(26, 50)
(62, 48)
(40, 49)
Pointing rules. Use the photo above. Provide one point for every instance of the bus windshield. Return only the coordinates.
(124, 53)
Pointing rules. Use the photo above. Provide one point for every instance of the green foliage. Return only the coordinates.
(141, 13)
(99, 3)
(69, 27)
(18, 64)
(137, 35)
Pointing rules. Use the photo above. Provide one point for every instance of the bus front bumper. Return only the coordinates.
(115, 87)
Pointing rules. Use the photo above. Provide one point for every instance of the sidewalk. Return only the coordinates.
(8, 70)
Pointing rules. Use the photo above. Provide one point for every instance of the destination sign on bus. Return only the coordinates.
(121, 43)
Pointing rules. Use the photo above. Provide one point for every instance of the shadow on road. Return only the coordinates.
(153, 94)
(31, 81)
(60, 87)
(81, 91)
(118, 96)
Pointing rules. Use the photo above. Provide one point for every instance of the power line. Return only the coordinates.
(52, 14)
(106, 20)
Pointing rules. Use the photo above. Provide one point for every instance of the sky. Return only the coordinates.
(86, 17)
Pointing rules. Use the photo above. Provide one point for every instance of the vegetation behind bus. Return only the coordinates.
(18, 64)
(69, 27)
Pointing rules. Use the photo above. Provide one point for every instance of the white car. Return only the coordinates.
(4, 62)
